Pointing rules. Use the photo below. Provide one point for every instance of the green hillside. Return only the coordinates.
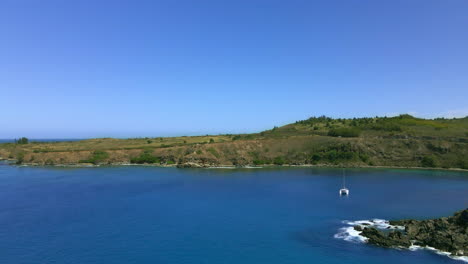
(402, 141)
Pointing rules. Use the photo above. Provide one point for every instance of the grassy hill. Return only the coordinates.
(402, 141)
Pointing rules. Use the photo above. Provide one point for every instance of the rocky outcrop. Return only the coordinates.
(394, 238)
(192, 165)
(448, 234)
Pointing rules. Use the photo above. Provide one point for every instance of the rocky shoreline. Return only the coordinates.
(446, 234)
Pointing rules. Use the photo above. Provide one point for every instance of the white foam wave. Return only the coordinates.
(348, 233)
(443, 253)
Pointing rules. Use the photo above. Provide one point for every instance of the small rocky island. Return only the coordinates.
(446, 234)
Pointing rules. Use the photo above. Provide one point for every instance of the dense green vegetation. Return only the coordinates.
(344, 132)
(428, 161)
(339, 153)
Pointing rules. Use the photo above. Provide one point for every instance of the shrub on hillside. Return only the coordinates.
(428, 161)
(260, 161)
(364, 157)
(145, 157)
(97, 157)
(334, 155)
(386, 127)
(344, 132)
(437, 148)
(279, 161)
(20, 158)
(463, 164)
(213, 152)
(316, 157)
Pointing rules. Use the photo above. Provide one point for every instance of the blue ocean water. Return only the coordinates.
(167, 215)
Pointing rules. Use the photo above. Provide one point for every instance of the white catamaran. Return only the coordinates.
(344, 190)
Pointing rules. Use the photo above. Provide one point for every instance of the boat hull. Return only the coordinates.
(344, 191)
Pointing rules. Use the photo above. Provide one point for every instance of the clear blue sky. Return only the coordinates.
(74, 69)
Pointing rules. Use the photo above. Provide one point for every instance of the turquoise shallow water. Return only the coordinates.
(168, 215)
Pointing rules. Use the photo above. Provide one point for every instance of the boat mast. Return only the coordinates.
(344, 180)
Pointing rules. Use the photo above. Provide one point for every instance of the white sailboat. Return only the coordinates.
(344, 190)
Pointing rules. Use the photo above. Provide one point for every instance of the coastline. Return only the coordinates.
(315, 142)
(227, 166)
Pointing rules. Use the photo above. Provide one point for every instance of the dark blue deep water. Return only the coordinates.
(167, 215)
